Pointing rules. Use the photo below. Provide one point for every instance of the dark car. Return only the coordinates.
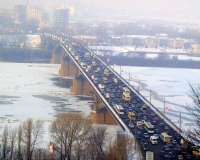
(166, 148)
(188, 156)
(161, 124)
(171, 155)
(176, 151)
(166, 157)
(122, 116)
(174, 141)
(145, 147)
(156, 130)
(142, 141)
(169, 144)
(140, 136)
(162, 153)
(166, 128)
(180, 157)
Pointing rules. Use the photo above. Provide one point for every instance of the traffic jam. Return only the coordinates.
(151, 131)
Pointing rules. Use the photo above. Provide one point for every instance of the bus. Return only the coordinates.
(119, 109)
(126, 90)
(126, 97)
(149, 127)
(165, 137)
(149, 155)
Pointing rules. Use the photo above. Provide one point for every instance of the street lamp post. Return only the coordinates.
(150, 95)
(164, 110)
(180, 120)
(138, 84)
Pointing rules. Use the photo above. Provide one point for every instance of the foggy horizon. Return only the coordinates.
(182, 10)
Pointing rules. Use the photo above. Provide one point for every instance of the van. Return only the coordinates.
(105, 80)
(76, 57)
(131, 116)
(139, 124)
(153, 140)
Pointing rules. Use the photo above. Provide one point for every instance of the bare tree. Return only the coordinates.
(12, 139)
(194, 111)
(65, 132)
(19, 144)
(5, 143)
(32, 132)
(96, 143)
(122, 148)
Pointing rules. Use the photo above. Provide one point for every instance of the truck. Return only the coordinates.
(131, 116)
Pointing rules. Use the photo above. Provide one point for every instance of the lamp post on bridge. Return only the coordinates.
(180, 119)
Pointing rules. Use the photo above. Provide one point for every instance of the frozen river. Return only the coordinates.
(35, 91)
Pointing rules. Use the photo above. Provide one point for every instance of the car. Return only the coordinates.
(152, 114)
(145, 147)
(171, 155)
(139, 136)
(122, 116)
(138, 100)
(134, 102)
(176, 151)
(146, 135)
(169, 144)
(180, 157)
(174, 141)
(130, 109)
(155, 135)
(166, 157)
(161, 124)
(166, 128)
(162, 153)
(166, 148)
(131, 125)
(156, 130)
(188, 156)
(142, 141)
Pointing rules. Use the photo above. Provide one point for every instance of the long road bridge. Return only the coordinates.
(91, 76)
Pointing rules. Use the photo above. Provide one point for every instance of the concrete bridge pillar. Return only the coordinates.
(57, 55)
(67, 68)
(100, 114)
(81, 86)
(56, 58)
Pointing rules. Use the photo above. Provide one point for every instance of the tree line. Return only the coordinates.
(72, 137)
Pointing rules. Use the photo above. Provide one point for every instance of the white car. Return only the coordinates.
(153, 140)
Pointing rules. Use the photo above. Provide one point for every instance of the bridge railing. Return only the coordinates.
(112, 111)
(159, 113)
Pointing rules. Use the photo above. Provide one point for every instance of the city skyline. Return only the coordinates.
(182, 10)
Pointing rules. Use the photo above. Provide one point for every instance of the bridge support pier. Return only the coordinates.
(80, 86)
(56, 58)
(100, 114)
(67, 68)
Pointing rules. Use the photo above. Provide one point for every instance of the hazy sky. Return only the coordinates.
(185, 9)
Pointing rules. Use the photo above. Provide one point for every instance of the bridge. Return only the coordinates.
(90, 73)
